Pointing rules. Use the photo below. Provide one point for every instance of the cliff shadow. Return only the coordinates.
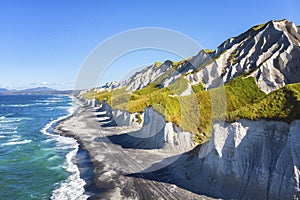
(107, 122)
(180, 171)
(231, 172)
(132, 141)
(192, 172)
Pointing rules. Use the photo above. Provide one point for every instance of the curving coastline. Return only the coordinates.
(74, 186)
(114, 162)
(128, 166)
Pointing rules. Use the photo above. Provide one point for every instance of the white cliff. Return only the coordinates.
(243, 160)
(157, 133)
(271, 54)
(125, 118)
(141, 79)
(153, 133)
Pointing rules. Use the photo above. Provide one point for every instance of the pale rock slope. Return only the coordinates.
(141, 79)
(269, 52)
(153, 133)
(243, 160)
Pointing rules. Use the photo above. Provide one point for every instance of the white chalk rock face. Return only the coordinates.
(106, 108)
(245, 160)
(121, 117)
(177, 139)
(165, 72)
(141, 79)
(156, 134)
(95, 103)
(271, 54)
(124, 118)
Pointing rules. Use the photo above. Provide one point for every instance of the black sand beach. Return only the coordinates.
(113, 164)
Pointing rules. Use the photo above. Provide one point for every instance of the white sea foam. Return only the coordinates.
(71, 111)
(43, 104)
(54, 157)
(15, 138)
(26, 105)
(16, 143)
(2, 117)
(8, 132)
(73, 186)
(51, 100)
(7, 127)
(13, 120)
(16, 105)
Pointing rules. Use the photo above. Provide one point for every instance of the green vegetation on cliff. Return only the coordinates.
(258, 27)
(282, 105)
(239, 98)
(193, 113)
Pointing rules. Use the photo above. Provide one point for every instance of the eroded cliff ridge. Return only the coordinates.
(240, 103)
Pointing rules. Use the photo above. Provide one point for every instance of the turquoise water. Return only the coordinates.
(35, 163)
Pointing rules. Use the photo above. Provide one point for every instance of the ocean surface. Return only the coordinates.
(36, 163)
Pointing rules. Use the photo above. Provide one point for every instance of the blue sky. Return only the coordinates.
(44, 43)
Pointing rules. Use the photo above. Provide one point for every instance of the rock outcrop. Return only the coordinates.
(269, 52)
(156, 133)
(124, 118)
(243, 160)
(153, 133)
(141, 79)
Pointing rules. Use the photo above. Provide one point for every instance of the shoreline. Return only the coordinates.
(113, 164)
(82, 158)
(84, 164)
(94, 188)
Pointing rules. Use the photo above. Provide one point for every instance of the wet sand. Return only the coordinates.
(113, 164)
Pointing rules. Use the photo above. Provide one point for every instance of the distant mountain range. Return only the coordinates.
(37, 90)
(3, 90)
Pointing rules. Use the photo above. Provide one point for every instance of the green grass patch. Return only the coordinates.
(239, 98)
(146, 90)
(158, 64)
(241, 91)
(101, 96)
(193, 113)
(257, 27)
(208, 51)
(177, 64)
(179, 86)
(198, 87)
(280, 105)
